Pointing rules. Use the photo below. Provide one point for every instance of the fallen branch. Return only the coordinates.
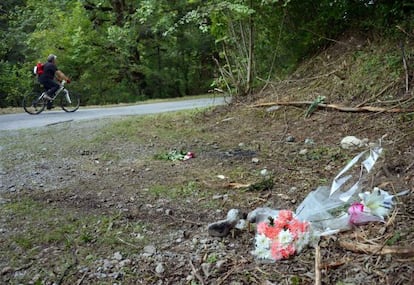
(377, 249)
(336, 107)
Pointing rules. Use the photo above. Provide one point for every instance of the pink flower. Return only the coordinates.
(356, 208)
(261, 227)
(279, 223)
(297, 227)
(287, 251)
(359, 217)
(285, 215)
(271, 232)
(355, 211)
(275, 250)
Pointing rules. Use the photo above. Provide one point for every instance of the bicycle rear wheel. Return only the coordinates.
(33, 104)
(70, 102)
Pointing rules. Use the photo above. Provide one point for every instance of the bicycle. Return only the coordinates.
(34, 103)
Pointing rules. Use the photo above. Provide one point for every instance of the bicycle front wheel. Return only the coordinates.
(33, 103)
(70, 102)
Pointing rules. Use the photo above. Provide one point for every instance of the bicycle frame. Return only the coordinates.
(61, 88)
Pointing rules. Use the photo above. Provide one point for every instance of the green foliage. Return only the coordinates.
(159, 48)
(172, 155)
(264, 185)
(394, 239)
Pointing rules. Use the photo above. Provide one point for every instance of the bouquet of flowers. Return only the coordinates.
(324, 211)
(281, 236)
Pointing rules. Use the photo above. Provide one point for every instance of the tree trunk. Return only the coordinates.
(250, 56)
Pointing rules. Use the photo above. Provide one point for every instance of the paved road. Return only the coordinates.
(57, 115)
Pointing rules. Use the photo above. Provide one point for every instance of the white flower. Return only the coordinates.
(262, 249)
(379, 202)
(262, 242)
(285, 237)
(262, 253)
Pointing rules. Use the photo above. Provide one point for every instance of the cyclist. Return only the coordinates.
(50, 72)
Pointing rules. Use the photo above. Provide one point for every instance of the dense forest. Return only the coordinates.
(127, 51)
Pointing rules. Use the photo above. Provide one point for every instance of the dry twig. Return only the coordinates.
(317, 265)
(196, 274)
(376, 249)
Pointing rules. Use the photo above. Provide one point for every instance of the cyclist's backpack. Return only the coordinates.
(38, 69)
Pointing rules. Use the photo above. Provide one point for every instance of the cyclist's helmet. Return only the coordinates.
(51, 57)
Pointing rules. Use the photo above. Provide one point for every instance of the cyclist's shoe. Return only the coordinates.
(49, 105)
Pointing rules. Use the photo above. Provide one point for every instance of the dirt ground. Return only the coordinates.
(159, 209)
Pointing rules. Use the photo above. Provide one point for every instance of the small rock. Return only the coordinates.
(264, 172)
(124, 262)
(107, 265)
(6, 270)
(290, 139)
(220, 263)
(293, 190)
(117, 256)
(309, 141)
(255, 160)
(303, 151)
(206, 269)
(351, 142)
(150, 249)
(273, 108)
(159, 268)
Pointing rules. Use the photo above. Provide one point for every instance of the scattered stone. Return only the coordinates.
(352, 142)
(107, 264)
(6, 270)
(255, 160)
(264, 172)
(273, 108)
(206, 269)
(220, 263)
(309, 141)
(303, 151)
(150, 250)
(293, 190)
(117, 256)
(290, 139)
(159, 268)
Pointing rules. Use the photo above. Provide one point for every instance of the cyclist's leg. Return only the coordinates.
(50, 86)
